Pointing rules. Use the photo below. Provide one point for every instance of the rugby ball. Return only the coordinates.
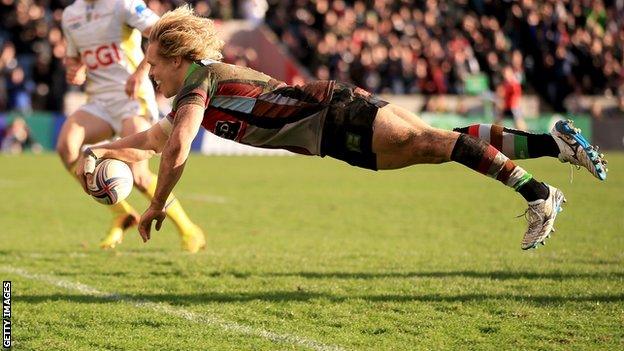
(111, 183)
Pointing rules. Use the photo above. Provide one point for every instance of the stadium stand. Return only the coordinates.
(436, 47)
(567, 53)
(32, 49)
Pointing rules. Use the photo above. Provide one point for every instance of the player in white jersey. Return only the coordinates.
(104, 50)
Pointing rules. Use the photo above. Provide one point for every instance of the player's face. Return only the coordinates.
(166, 73)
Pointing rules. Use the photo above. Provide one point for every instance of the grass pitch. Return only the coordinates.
(305, 253)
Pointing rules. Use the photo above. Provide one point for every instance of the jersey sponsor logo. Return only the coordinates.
(353, 142)
(97, 16)
(227, 129)
(102, 56)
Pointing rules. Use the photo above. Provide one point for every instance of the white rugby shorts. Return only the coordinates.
(114, 107)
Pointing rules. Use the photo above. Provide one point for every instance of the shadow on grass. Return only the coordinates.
(490, 275)
(303, 296)
(494, 275)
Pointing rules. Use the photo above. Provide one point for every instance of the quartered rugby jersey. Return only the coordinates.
(252, 108)
(106, 35)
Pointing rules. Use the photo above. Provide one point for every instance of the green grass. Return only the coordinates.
(317, 252)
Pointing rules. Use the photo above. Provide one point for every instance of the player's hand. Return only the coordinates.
(83, 178)
(134, 83)
(76, 72)
(145, 224)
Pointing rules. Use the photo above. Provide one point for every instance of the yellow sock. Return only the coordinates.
(121, 208)
(174, 208)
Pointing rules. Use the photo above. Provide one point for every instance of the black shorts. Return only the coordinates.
(348, 129)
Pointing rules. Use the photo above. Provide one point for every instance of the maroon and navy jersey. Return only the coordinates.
(252, 108)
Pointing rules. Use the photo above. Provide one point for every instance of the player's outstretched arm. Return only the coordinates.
(185, 126)
(133, 148)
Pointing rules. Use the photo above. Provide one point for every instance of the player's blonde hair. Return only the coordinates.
(182, 33)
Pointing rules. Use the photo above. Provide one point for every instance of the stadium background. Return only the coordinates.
(441, 59)
(308, 253)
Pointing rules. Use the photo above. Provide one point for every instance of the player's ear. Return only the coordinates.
(177, 61)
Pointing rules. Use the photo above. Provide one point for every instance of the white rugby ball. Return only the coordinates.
(112, 182)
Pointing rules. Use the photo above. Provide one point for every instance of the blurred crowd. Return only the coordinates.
(31, 55)
(32, 76)
(555, 48)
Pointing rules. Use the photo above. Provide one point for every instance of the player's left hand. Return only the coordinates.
(133, 84)
(145, 224)
(83, 178)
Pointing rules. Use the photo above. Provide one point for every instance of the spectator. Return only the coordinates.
(510, 94)
(254, 10)
(19, 89)
(553, 47)
(17, 138)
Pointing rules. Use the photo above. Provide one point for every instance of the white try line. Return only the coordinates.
(173, 311)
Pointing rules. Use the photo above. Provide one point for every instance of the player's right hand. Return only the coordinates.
(76, 72)
(133, 84)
